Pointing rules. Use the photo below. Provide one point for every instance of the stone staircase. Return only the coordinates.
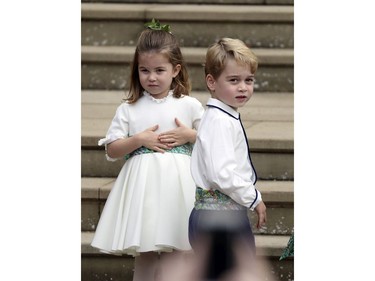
(109, 31)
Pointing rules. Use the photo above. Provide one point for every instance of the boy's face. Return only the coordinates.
(234, 86)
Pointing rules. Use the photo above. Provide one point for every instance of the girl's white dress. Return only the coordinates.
(149, 205)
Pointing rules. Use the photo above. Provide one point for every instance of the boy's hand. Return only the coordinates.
(262, 216)
(178, 136)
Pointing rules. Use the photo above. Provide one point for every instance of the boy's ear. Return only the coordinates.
(176, 70)
(210, 81)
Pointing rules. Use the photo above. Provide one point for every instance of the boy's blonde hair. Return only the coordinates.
(228, 48)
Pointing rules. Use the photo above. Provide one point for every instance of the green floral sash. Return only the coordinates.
(182, 149)
(214, 200)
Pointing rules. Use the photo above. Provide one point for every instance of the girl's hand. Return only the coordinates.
(148, 138)
(178, 136)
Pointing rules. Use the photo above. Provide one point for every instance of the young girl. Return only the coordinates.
(147, 211)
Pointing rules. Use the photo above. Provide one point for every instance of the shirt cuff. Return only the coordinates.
(256, 201)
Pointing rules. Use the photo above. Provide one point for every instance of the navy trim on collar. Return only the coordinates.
(209, 105)
(212, 102)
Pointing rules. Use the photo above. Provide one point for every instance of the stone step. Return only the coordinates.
(98, 266)
(269, 166)
(216, 2)
(119, 24)
(277, 195)
(263, 106)
(108, 67)
(267, 118)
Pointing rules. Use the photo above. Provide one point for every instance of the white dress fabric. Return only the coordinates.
(149, 205)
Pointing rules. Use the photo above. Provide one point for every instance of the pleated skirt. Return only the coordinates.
(148, 207)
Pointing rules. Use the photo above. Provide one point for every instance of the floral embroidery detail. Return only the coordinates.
(214, 200)
(182, 149)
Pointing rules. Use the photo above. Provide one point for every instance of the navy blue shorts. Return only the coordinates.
(233, 222)
(223, 227)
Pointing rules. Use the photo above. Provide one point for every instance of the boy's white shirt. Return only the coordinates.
(220, 156)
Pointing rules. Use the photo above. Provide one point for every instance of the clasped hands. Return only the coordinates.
(167, 140)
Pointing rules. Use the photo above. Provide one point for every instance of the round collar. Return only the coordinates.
(148, 95)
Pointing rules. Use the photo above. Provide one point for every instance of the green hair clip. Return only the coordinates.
(155, 25)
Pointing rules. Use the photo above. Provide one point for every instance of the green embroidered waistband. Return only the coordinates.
(182, 149)
(214, 200)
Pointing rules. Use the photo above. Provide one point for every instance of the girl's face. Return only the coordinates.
(234, 86)
(156, 73)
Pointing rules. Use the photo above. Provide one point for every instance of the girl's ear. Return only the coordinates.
(210, 81)
(176, 70)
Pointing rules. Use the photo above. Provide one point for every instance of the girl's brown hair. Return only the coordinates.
(162, 42)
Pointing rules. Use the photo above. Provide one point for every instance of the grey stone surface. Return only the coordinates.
(99, 266)
(217, 2)
(170, 11)
(260, 26)
(108, 36)
(268, 120)
(269, 245)
(109, 68)
(269, 165)
(115, 76)
(267, 117)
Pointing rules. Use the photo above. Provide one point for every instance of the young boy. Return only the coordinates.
(221, 165)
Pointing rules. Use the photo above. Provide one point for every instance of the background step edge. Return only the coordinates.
(267, 245)
(121, 54)
(203, 12)
(272, 191)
